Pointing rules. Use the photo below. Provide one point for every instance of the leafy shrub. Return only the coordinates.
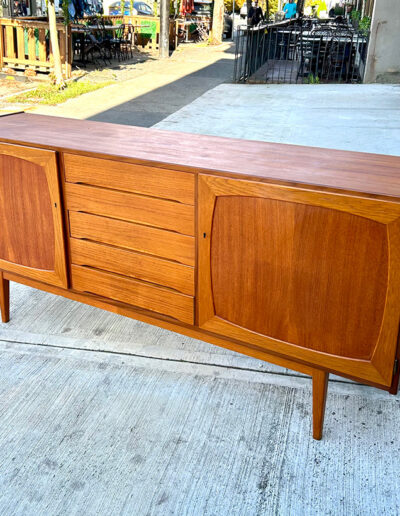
(273, 5)
(365, 25)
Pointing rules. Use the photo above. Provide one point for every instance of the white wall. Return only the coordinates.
(383, 61)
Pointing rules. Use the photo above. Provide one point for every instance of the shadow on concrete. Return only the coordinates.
(149, 109)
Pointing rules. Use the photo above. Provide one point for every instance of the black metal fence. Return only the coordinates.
(300, 52)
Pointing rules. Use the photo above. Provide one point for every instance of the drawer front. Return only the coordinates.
(135, 265)
(156, 182)
(132, 292)
(165, 244)
(131, 207)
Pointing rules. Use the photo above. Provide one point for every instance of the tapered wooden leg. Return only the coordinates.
(320, 389)
(4, 298)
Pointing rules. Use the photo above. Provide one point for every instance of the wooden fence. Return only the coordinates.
(25, 44)
(148, 36)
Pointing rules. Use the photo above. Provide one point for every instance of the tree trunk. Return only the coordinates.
(51, 12)
(163, 50)
(218, 22)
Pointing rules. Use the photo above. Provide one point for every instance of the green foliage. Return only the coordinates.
(365, 25)
(122, 7)
(52, 95)
(319, 5)
(273, 5)
(65, 11)
(355, 17)
(174, 6)
(313, 79)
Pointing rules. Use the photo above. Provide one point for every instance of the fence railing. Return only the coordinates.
(147, 37)
(25, 44)
(297, 53)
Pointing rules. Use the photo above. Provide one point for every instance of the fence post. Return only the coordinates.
(1, 44)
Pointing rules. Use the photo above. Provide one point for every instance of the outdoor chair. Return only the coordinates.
(342, 31)
(308, 49)
(326, 32)
(123, 42)
(339, 59)
(102, 38)
(290, 42)
(324, 35)
(93, 47)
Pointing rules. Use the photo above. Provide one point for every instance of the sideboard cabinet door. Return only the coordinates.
(31, 231)
(306, 274)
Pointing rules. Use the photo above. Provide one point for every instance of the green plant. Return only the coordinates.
(355, 16)
(65, 11)
(313, 79)
(365, 25)
(273, 5)
(52, 95)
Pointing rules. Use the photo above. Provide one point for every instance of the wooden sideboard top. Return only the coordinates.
(372, 174)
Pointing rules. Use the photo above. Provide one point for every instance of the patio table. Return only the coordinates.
(89, 29)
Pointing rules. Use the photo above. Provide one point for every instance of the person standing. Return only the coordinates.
(17, 10)
(255, 15)
(290, 10)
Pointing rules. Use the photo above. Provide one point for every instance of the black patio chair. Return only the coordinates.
(339, 58)
(123, 42)
(308, 51)
(94, 49)
(325, 35)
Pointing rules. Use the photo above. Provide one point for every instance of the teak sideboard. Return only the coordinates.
(288, 254)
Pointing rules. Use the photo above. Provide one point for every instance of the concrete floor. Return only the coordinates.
(103, 415)
(154, 90)
(359, 117)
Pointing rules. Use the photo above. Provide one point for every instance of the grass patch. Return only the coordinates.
(51, 95)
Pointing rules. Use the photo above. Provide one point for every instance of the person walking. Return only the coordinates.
(255, 15)
(290, 10)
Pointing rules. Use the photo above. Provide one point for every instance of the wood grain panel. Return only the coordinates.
(334, 169)
(165, 244)
(133, 292)
(310, 276)
(136, 265)
(42, 45)
(164, 214)
(158, 320)
(31, 237)
(370, 247)
(20, 42)
(31, 44)
(10, 48)
(156, 182)
(4, 298)
(26, 216)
